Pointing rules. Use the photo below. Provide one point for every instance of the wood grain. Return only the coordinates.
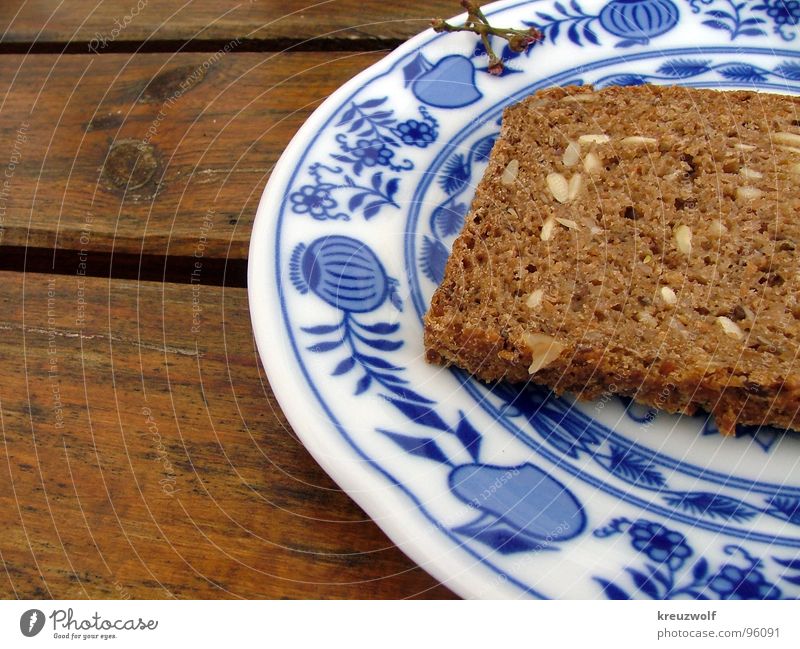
(143, 454)
(111, 25)
(132, 154)
(141, 459)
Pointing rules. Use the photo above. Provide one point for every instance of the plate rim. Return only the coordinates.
(359, 485)
(436, 554)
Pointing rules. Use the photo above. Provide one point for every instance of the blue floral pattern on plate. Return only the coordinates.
(370, 137)
(357, 223)
(750, 18)
(665, 572)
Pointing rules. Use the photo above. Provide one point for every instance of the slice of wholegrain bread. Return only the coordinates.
(640, 241)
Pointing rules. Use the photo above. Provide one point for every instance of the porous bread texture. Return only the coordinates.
(640, 241)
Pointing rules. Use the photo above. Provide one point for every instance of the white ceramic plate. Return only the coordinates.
(495, 491)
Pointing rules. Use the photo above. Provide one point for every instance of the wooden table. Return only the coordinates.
(143, 457)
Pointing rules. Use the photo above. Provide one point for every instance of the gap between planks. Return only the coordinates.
(146, 268)
(318, 44)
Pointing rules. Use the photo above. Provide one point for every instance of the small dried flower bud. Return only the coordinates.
(536, 34)
(518, 43)
(496, 68)
(438, 24)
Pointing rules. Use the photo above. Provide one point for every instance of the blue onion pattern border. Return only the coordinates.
(430, 450)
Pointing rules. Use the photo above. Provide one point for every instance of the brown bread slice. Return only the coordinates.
(661, 264)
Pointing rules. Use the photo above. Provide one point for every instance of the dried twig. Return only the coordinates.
(518, 39)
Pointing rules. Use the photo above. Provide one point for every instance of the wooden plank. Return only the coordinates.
(131, 154)
(111, 25)
(143, 459)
